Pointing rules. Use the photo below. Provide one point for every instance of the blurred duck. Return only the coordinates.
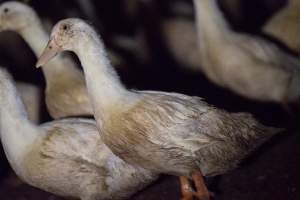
(180, 37)
(179, 34)
(159, 131)
(64, 157)
(248, 65)
(31, 96)
(284, 25)
(66, 93)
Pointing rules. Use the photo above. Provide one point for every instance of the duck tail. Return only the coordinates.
(257, 133)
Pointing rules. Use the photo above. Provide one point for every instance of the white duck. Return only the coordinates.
(31, 95)
(64, 157)
(163, 132)
(66, 93)
(180, 33)
(284, 25)
(248, 65)
(177, 31)
(180, 36)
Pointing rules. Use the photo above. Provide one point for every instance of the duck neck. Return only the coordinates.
(104, 86)
(36, 37)
(17, 132)
(212, 28)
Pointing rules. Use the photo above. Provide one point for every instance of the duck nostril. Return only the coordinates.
(6, 10)
(50, 47)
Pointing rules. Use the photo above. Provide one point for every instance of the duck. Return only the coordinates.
(65, 157)
(284, 25)
(180, 37)
(245, 64)
(66, 94)
(180, 33)
(31, 95)
(166, 133)
(174, 29)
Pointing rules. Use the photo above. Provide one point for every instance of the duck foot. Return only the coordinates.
(188, 192)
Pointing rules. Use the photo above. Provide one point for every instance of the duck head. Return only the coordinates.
(66, 35)
(16, 16)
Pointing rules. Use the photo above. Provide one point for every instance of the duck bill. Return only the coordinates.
(49, 52)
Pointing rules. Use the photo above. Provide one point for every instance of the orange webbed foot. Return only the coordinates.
(188, 192)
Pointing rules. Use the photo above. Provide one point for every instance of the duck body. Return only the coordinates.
(176, 134)
(65, 157)
(247, 65)
(272, 77)
(31, 96)
(181, 39)
(66, 95)
(284, 25)
(71, 160)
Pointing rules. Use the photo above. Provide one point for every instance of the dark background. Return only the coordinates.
(270, 173)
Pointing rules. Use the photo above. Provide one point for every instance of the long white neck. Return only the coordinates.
(104, 86)
(37, 38)
(212, 28)
(17, 132)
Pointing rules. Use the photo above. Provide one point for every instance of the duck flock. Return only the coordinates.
(112, 132)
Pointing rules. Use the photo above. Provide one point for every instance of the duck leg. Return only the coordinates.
(202, 192)
(186, 189)
(188, 192)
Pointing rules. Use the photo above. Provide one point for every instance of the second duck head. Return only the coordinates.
(16, 16)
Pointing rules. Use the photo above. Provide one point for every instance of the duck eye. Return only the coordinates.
(65, 27)
(6, 10)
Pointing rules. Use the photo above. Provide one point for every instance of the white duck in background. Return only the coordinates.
(31, 95)
(180, 33)
(64, 157)
(163, 132)
(284, 25)
(66, 93)
(247, 65)
(180, 37)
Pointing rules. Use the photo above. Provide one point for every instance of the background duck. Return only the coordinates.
(181, 39)
(66, 93)
(32, 99)
(163, 132)
(64, 157)
(247, 65)
(178, 31)
(284, 25)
